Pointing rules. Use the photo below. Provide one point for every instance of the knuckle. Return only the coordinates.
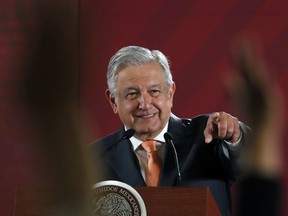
(230, 131)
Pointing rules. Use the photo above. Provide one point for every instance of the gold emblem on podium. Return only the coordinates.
(114, 198)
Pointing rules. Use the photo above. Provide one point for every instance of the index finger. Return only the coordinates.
(209, 129)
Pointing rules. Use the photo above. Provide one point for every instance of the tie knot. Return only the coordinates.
(149, 145)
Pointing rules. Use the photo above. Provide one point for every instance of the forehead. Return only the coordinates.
(141, 72)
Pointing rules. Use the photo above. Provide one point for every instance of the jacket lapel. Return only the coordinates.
(169, 171)
(125, 163)
(169, 175)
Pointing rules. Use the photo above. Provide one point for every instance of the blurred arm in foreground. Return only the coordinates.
(259, 97)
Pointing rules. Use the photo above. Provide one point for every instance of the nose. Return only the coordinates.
(144, 101)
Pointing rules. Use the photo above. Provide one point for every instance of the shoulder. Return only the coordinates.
(188, 122)
(182, 127)
(104, 143)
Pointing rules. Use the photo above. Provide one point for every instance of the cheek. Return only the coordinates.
(127, 108)
(165, 104)
(170, 101)
(164, 109)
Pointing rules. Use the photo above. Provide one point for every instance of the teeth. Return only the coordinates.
(147, 116)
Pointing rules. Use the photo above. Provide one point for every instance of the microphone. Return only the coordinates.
(127, 134)
(168, 138)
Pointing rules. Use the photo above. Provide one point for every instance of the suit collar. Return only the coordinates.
(125, 163)
(127, 166)
(169, 173)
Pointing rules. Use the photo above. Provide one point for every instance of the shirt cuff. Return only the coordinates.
(231, 146)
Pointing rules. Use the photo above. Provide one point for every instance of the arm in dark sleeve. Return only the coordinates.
(259, 195)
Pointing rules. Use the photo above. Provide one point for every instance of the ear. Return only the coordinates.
(111, 100)
(172, 90)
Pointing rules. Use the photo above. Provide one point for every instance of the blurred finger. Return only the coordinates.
(230, 128)
(214, 117)
(222, 127)
(237, 132)
(208, 134)
(210, 130)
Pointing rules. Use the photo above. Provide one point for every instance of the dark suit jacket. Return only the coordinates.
(200, 164)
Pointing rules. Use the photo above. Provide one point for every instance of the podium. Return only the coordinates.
(192, 201)
(180, 201)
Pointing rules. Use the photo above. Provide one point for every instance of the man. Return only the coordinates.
(140, 90)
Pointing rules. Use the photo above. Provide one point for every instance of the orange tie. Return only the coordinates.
(154, 163)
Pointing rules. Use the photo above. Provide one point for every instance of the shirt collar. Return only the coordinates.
(160, 137)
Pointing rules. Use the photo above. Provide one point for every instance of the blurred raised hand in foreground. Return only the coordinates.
(260, 101)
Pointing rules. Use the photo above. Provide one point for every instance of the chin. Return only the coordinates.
(142, 131)
(146, 131)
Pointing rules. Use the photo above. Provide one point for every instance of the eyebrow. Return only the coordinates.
(130, 89)
(156, 85)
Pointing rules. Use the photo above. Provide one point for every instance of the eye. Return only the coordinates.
(155, 92)
(131, 95)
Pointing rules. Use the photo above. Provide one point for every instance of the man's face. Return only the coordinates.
(143, 100)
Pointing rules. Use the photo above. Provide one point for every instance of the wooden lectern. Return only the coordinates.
(181, 201)
(194, 201)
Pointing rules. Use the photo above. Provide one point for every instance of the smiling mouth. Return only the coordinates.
(146, 116)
